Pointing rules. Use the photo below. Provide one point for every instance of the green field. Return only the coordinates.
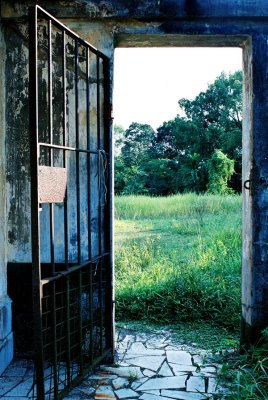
(178, 259)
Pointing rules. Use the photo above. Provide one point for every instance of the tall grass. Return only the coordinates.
(145, 207)
(178, 258)
(246, 375)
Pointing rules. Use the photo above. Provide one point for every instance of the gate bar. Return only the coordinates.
(50, 105)
(44, 14)
(35, 223)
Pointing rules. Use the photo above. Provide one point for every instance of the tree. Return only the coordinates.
(217, 113)
(137, 144)
(198, 150)
(220, 170)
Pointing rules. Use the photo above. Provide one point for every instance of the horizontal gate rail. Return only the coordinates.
(70, 154)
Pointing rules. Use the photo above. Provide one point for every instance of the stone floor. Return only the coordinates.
(152, 367)
(148, 366)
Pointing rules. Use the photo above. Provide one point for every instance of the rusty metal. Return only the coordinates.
(72, 293)
(52, 184)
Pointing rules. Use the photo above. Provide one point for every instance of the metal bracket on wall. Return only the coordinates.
(247, 184)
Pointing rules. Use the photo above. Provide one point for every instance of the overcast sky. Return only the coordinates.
(150, 81)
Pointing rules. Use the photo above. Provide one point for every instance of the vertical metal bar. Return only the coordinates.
(77, 153)
(80, 320)
(64, 89)
(100, 183)
(108, 212)
(35, 227)
(54, 333)
(50, 95)
(89, 208)
(101, 306)
(91, 313)
(68, 337)
(88, 155)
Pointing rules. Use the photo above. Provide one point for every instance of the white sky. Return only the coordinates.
(148, 82)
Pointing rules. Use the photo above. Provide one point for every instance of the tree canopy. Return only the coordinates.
(199, 150)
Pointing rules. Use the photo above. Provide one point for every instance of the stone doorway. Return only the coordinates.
(146, 40)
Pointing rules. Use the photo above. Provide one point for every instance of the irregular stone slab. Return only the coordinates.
(126, 394)
(179, 357)
(156, 392)
(22, 389)
(145, 353)
(142, 337)
(198, 359)
(208, 370)
(149, 362)
(138, 383)
(7, 384)
(137, 348)
(120, 382)
(128, 339)
(165, 370)
(212, 385)
(15, 370)
(196, 384)
(19, 398)
(148, 372)
(147, 396)
(175, 382)
(180, 369)
(102, 376)
(173, 347)
(127, 342)
(157, 341)
(176, 394)
(105, 393)
(81, 393)
(126, 372)
(121, 347)
(123, 364)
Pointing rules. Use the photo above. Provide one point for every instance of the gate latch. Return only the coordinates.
(247, 184)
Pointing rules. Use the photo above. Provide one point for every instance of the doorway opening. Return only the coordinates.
(178, 184)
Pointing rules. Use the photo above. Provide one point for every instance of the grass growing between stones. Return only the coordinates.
(199, 335)
(178, 259)
(246, 375)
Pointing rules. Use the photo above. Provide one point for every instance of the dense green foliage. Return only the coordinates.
(246, 375)
(199, 150)
(178, 258)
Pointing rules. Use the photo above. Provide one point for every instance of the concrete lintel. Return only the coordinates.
(176, 40)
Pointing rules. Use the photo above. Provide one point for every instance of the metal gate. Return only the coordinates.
(69, 93)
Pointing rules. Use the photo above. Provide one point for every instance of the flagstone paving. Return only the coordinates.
(148, 366)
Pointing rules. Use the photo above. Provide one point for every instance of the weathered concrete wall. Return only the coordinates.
(2, 168)
(17, 142)
(6, 336)
(144, 9)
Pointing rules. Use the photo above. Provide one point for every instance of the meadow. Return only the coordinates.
(178, 266)
(178, 259)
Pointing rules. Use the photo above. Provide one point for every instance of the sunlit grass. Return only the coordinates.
(178, 258)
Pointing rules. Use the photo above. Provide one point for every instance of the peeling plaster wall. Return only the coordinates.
(17, 143)
(3, 282)
(6, 335)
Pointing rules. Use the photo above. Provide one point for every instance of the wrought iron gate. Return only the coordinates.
(70, 204)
